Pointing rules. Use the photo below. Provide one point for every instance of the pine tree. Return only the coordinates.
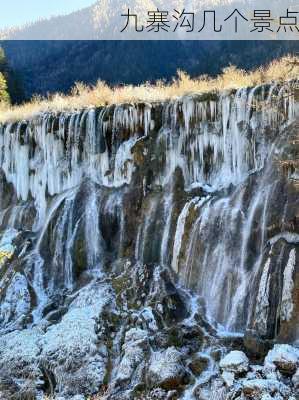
(4, 95)
(11, 88)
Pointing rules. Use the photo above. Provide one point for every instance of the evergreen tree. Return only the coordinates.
(10, 83)
(51, 66)
(4, 95)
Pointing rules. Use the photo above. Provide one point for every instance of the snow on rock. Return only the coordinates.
(235, 361)
(19, 348)
(132, 363)
(216, 391)
(256, 371)
(6, 243)
(166, 369)
(149, 318)
(136, 337)
(16, 304)
(257, 387)
(69, 348)
(19, 370)
(262, 382)
(284, 357)
(228, 377)
(289, 237)
(295, 380)
(266, 397)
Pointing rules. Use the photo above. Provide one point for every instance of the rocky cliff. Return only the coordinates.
(141, 243)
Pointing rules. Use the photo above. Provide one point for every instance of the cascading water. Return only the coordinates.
(218, 260)
(204, 186)
(216, 142)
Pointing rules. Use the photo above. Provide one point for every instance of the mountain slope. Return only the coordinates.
(48, 66)
(56, 65)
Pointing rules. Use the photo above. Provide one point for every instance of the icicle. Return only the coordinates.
(287, 305)
(219, 150)
(262, 307)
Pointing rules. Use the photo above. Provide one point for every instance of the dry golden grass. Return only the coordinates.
(83, 96)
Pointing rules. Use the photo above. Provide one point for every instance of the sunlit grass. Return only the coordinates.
(84, 96)
(5, 255)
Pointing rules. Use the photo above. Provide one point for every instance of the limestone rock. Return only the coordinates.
(70, 350)
(284, 357)
(236, 362)
(198, 364)
(130, 371)
(19, 371)
(166, 369)
(259, 387)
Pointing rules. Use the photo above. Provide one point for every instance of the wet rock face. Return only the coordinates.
(151, 251)
(7, 192)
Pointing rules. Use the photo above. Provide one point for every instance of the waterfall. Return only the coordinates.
(52, 153)
(145, 239)
(188, 184)
(93, 235)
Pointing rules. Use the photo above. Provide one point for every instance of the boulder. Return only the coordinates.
(235, 362)
(18, 370)
(131, 367)
(256, 388)
(284, 357)
(70, 348)
(198, 364)
(166, 369)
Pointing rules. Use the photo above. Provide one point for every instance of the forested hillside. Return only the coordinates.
(56, 65)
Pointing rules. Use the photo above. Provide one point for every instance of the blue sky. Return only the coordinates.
(16, 12)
